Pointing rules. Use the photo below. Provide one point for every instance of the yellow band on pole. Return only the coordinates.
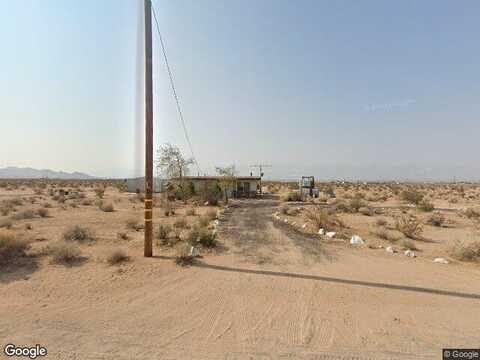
(148, 210)
(148, 200)
(148, 220)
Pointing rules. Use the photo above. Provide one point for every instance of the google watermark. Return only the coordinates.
(31, 352)
(470, 354)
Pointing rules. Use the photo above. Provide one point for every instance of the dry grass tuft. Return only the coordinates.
(466, 252)
(117, 257)
(65, 253)
(11, 248)
(79, 234)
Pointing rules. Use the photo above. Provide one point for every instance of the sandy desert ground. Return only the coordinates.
(270, 289)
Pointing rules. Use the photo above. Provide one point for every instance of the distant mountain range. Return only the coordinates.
(30, 173)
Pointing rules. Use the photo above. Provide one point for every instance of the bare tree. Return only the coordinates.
(172, 164)
(228, 177)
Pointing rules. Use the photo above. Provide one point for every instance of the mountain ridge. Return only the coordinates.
(13, 172)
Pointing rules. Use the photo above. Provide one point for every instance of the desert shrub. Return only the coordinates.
(408, 244)
(412, 196)
(134, 224)
(292, 196)
(64, 253)
(107, 207)
(203, 221)
(284, 209)
(26, 214)
(201, 235)
(182, 254)
(11, 248)
(409, 226)
(385, 234)
(472, 213)
(163, 231)
(341, 206)
(211, 215)
(6, 223)
(117, 257)
(99, 192)
(190, 212)
(122, 235)
(42, 212)
(437, 219)
(381, 222)
(426, 205)
(180, 223)
(365, 210)
(466, 252)
(79, 233)
(321, 218)
(355, 205)
(212, 194)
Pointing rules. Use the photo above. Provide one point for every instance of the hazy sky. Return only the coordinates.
(331, 88)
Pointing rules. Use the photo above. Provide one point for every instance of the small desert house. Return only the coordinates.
(235, 187)
(137, 185)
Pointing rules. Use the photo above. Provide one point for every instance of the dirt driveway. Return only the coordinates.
(267, 294)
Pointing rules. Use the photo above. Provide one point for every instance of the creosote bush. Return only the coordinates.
(409, 226)
(117, 257)
(322, 219)
(436, 219)
(79, 234)
(466, 252)
(11, 248)
(412, 196)
(64, 253)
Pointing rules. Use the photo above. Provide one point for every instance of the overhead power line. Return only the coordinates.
(174, 91)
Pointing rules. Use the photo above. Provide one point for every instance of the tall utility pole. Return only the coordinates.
(148, 130)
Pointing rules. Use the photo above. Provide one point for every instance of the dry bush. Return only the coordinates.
(408, 244)
(466, 252)
(182, 254)
(42, 212)
(284, 209)
(79, 233)
(381, 222)
(163, 231)
(107, 207)
(322, 219)
(409, 226)
(367, 211)
(122, 235)
(202, 236)
(385, 234)
(11, 248)
(64, 253)
(190, 212)
(412, 196)
(134, 224)
(86, 202)
(25, 214)
(6, 223)
(472, 214)
(426, 205)
(99, 192)
(180, 223)
(355, 204)
(117, 257)
(436, 219)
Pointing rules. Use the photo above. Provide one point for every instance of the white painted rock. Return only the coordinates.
(216, 222)
(194, 251)
(321, 232)
(410, 253)
(285, 221)
(304, 226)
(205, 203)
(356, 240)
(441, 260)
(390, 249)
(331, 234)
